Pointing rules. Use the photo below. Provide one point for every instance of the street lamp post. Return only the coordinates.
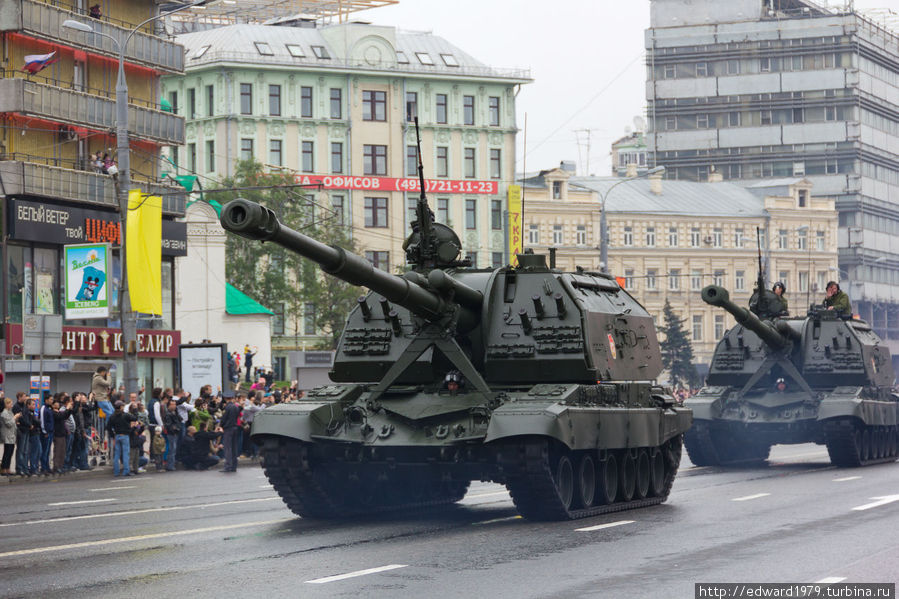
(603, 224)
(122, 178)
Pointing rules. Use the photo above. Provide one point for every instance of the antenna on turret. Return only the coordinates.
(760, 284)
(424, 215)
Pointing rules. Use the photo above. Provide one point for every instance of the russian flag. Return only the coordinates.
(35, 63)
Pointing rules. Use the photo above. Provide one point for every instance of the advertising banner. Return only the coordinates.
(205, 364)
(516, 239)
(86, 268)
(369, 183)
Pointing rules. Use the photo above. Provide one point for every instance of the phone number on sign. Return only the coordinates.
(392, 184)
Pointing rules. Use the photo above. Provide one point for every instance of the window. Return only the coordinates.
(628, 236)
(210, 156)
(200, 52)
(803, 281)
(496, 215)
(717, 237)
(468, 110)
(496, 260)
(376, 212)
(651, 279)
(337, 207)
(173, 100)
(668, 71)
(650, 236)
(192, 157)
(719, 326)
(374, 160)
(764, 65)
(629, 280)
(557, 235)
(449, 60)
(819, 240)
(557, 190)
(411, 161)
(733, 67)
(803, 198)
(469, 162)
(495, 164)
(295, 50)
(246, 98)
(274, 152)
(695, 237)
(782, 239)
(321, 52)
(191, 103)
(733, 119)
(411, 106)
(441, 109)
(305, 102)
(702, 69)
(533, 234)
(670, 123)
(278, 318)
(674, 279)
(443, 211)
(307, 151)
(718, 278)
(336, 103)
(379, 260)
(738, 238)
(830, 113)
(411, 210)
(802, 240)
(697, 327)
(672, 237)
(401, 57)
(424, 58)
(581, 235)
(173, 155)
(473, 257)
(442, 161)
(374, 105)
(822, 280)
(210, 100)
(274, 100)
(740, 280)
(471, 214)
(702, 121)
(696, 280)
(765, 117)
(336, 157)
(263, 48)
(798, 115)
(493, 111)
(246, 149)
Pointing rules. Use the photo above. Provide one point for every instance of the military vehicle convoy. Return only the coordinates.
(824, 378)
(536, 379)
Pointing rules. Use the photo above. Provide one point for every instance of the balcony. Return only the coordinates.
(44, 21)
(25, 178)
(82, 109)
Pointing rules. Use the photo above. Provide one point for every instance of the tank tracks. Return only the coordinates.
(705, 448)
(851, 444)
(550, 482)
(312, 493)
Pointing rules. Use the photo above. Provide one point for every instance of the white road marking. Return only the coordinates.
(112, 488)
(159, 535)
(493, 494)
(749, 497)
(353, 574)
(132, 512)
(845, 478)
(601, 526)
(265, 486)
(495, 520)
(831, 580)
(880, 501)
(82, 502)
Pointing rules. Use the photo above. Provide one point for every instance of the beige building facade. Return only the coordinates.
(669, 239)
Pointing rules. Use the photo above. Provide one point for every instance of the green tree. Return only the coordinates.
(677, 351)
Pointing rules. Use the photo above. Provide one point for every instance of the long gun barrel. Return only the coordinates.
(718, 296)
(254, 221)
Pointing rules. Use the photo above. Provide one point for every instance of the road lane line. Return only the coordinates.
(492, 494)
(112, 489)
(353, 574)
(831, 580)
(265, 486)
(880, 501)
(132, 512)
(82, 502)
(845, 478)
(159, 535)
(750, 497)
(601, 526)
(495, 520)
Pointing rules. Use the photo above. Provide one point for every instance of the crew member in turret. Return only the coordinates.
(836, 299)
(780, 290)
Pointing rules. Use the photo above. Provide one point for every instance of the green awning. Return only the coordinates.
(165, 105)
(237, 302)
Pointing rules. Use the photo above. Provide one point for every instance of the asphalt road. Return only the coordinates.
(207, 534)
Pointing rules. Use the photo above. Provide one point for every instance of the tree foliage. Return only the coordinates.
(677, 351)
(273, 275)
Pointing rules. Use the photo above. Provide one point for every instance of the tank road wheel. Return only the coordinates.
(700, 447)
(845, 443)
(628, 477)
(288, 467)
(586, 480)
(607, 487)
(641, 491)
(656, 473)
(563, 477)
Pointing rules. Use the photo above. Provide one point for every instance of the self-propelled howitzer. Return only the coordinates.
(820, 378)
(527, 376)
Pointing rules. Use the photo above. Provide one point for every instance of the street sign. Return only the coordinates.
(42, 334)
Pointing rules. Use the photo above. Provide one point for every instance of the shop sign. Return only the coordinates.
(391, 184)
(103, 342)
(48, 223)
(86, 269)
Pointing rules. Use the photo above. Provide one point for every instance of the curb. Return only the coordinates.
(15, 479)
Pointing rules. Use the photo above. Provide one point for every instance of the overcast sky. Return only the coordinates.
(586, 58)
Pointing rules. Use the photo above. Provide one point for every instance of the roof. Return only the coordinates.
(236, 44)
(677, 197)
(237, 302)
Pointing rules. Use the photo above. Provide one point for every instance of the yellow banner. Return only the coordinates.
(144, 251)
(516, 230)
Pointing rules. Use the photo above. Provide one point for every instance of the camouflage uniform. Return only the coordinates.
(839, 301)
